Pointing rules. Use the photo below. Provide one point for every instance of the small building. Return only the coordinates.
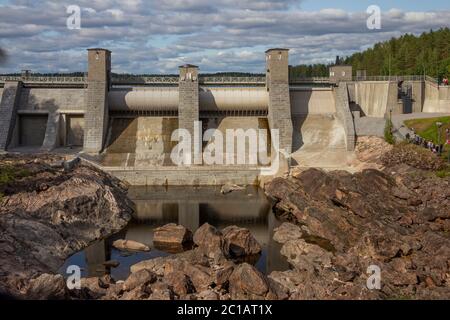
(340, 73)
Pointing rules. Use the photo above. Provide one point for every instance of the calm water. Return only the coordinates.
(190, 207)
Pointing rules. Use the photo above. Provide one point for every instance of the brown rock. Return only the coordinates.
(160, 291)
(287, 231)
(130, 245)
(155, 265)
(200, 276)
(239, 242)
(222, 274)
(305, 256)
(180, 283)
(208, 295)
(209, 240)
(139, 278)
(172, 234)
(137, 293)
(246, 282)
(47, 287)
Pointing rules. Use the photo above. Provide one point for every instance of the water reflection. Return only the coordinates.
(190, 207)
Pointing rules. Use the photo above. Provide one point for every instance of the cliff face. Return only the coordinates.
(340, 224)
(51, 212)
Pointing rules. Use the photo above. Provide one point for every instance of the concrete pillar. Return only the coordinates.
(277, 83)
(8, 109)
(96, 116)
(418, 96)
(188, 106)
(52, 136)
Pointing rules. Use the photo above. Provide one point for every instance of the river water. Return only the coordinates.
(190, 207)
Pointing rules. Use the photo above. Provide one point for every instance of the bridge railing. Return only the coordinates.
(50, 79)
(232, 80)
(145, 80)
(298, 80)
(393, 78)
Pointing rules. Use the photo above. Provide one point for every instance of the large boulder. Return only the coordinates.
(180, 283)
(247, 283)
(306, 256)
(287, 231)
(47, 287)
(210, 241)
(239, 242)
(49, 214)
(142, 277)
(172, 234)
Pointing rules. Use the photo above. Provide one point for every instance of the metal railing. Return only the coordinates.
(394, 78)
(232, 80)
(212, 80)
(50, 80)
(298, 80)
(145, 80)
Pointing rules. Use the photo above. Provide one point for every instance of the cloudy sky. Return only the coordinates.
(156, 36)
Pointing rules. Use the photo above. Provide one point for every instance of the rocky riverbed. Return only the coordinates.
(338, 229)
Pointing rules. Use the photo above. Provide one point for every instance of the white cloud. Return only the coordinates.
(159, 35)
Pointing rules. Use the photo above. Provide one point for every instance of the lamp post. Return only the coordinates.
(439, 125)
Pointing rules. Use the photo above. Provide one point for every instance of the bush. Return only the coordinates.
(388, 135)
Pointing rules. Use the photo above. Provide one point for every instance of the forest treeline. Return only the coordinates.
(427, 54)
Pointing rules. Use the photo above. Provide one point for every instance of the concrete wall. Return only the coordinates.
(223, 124)
(139, 142)
(179, 176)
(437, 98)
(52, 99)
(8, 108)
(372, 97)
(312, 101)
(344, 115)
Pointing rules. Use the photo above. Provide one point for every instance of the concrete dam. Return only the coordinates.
(125, 125)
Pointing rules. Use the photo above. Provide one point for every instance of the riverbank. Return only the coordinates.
(52, 210)
(336, 229)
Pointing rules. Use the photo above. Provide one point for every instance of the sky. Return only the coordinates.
(156, 36)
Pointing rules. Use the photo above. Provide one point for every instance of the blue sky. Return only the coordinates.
(156, 36)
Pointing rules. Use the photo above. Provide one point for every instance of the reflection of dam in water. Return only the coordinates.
(190, 207)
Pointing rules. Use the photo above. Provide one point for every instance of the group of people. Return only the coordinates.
(428, 144)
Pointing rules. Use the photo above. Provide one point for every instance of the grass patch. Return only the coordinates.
(444, 173)
(427, 129)
(9, 174)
